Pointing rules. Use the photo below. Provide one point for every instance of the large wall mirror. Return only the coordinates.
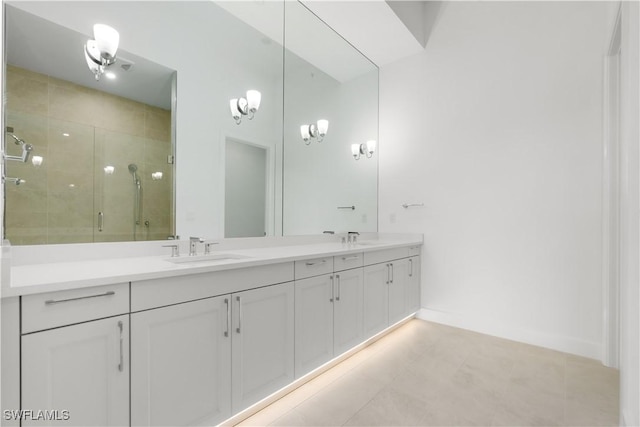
(327, 79)
(231, 178)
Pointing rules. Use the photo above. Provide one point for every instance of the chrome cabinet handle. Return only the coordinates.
(239, 314)
(311, 264)
(349, 258)
(332, 289)
(338, 286)
(410, 267)
(58, 301)
(391, 272)
(226, 302)
(100, 221)
(121, 364)
(388, 273)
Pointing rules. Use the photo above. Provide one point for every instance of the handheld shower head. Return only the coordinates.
(133, 169)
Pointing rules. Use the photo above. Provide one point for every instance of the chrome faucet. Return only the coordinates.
(352, 237)
(193, 245)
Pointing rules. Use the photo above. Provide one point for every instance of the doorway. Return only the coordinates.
(245, 189)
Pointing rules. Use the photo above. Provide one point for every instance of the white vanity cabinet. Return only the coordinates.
(198, 362)
(75, 357)
(392, 288)
(262, 343)
(82, 369)
(180, 364)
(329, 317)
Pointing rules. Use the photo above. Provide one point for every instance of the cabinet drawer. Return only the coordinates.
(53, 309)
(313, 267)
(414, 250)
(348, 261)
(147, 294)
(385, 255)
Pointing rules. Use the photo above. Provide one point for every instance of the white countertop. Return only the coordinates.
(41, 277)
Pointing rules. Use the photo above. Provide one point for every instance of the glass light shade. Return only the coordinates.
(323, 126)
(36, 160)
(371, 146)
(355, 149)
(92, 55)
(253, 100)
(304, 131)
(107, 39)
(233, 106)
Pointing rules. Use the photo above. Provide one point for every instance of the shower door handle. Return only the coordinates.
(100, 221)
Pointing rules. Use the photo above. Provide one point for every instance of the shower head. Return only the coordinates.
(133, 168)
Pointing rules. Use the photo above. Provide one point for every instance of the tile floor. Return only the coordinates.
(425, 374)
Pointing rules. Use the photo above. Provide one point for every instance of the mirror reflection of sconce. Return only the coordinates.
(245, 106)
(37, 161)
(108, 170)
(101, 52)
(367, 149)
(156, 176)
(318, 131)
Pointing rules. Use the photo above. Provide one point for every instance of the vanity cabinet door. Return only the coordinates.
(348, 310)
(82, 369)
(376, 298)
(314, 304)
(399, 277)
(262, 343)
(181, 364)
(412, 296)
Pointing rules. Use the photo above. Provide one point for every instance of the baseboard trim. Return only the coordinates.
(588, 349)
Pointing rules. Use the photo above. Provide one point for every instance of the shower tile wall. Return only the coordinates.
(60, 200)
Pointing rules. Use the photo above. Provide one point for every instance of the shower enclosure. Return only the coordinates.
(102, 178)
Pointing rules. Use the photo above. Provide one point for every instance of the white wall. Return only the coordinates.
(497, 129)
(629, 221)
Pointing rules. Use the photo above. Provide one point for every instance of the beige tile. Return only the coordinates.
(157, 123)
(585, 414)
(339, 401)
(27, 92)
(121, 115)
(74, 104)
(390, 408)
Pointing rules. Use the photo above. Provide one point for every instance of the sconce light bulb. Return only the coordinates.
(235, 113)
(371, 147)
(355, 151)
(323, 126)
(253, 100)
(305, 133)
(37, 160)
(107, 40)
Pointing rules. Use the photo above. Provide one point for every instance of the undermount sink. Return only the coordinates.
(205, 258)
(369, 243)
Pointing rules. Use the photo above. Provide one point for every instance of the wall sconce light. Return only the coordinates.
(318, 131)
(37, 160)
(26, 148)
(108, 170)
(367, 149)
(156, 176)
(245, 106)
(101, 52)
